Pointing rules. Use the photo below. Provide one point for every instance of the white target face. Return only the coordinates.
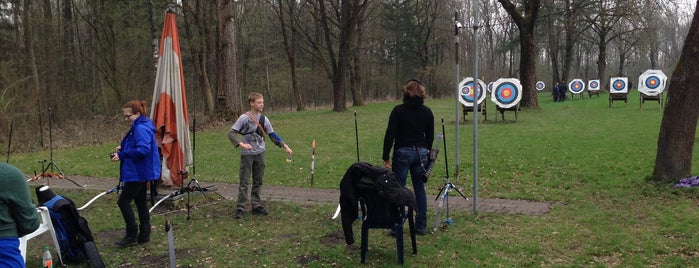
(652, 82)
(576, 86)
(540, 85)
(507, 92)
(470, 92)
(619, 85)
(593, 85)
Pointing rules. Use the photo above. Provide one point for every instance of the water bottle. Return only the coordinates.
(47, 261)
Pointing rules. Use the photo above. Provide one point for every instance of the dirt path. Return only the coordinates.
(324, 196)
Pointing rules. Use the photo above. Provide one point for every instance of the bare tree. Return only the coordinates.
(198, 20)
(287, 12)
(228, 90)
(525, 19)
(336, 60)
(673, 159)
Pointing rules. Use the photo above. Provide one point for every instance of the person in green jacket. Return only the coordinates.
(18, 216)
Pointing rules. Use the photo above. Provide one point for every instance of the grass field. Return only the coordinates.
(593, 161)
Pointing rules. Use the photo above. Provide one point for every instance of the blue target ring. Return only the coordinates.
(471, 94)
(594, 85)
(576, 87)
(618, 85)
(652, 82)
(506, 93)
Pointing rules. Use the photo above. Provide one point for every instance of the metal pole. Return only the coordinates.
(475, 105)
(457, 26)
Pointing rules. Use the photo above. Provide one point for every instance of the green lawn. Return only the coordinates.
(591, 160)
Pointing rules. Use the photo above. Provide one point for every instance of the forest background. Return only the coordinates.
(77, 62)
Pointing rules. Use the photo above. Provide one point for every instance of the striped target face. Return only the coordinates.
(507, 92)
(593, 85)
(540, 85)
(576, 86)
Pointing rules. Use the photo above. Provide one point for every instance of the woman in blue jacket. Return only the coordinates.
(140, 163)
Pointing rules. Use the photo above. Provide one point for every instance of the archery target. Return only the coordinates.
(576, 86)
(490, 87)
(540, 85)
(652, 82)
(468, 93)
(507, 92)
(619, 85)
(593, 85)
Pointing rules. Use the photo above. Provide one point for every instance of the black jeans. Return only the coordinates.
(134, 191)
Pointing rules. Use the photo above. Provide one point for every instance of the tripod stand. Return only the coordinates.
(192, 186)
(51, 164)
(443, 195)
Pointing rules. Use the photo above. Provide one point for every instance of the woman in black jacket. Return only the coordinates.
(410, 132)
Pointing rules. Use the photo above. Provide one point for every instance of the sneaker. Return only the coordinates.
(259, 211)
(126, 241)
(239, 213)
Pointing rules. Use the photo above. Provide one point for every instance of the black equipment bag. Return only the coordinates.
(72, 230)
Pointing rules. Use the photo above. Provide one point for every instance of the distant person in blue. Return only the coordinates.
(555, 92)
(410, 132)
(562, 88)
(140, 164)
(18, 216)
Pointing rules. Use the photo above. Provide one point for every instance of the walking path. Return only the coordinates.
(325, 196)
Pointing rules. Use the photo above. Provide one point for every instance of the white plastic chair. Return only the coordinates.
(45, 226)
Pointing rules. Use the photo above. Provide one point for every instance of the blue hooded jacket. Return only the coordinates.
(139, 155)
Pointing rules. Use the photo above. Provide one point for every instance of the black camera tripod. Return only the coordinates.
(443, 195)
(51, 163)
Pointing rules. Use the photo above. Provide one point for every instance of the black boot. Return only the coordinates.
(130, 238)
(144, 233)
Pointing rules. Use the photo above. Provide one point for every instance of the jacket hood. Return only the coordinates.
(144, 121)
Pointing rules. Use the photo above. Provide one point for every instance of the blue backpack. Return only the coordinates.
(71, 229)
(72, 232)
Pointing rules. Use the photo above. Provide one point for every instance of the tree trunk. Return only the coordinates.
(527, 64)
(290, 36)
(229, 91)
(602, 62)
(197, 29)
(356, 72)
(673, 158)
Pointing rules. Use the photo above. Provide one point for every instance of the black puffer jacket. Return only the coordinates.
(362, 174)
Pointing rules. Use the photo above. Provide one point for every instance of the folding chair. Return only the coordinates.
(379, 213)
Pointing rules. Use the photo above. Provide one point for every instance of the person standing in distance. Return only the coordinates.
(18, 216)
(253, 126)
(410, 132)
(139, 164)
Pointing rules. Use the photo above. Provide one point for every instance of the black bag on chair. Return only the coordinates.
(384, 203)
(72, 231)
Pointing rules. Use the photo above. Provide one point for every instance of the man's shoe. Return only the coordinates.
(126, 241)
(259, 211)
(420, 232)
(238, 213)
